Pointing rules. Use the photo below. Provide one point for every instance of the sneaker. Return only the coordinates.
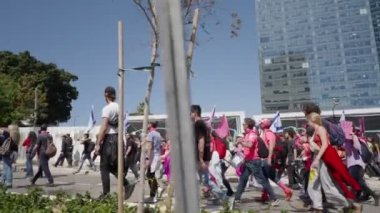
(275, 203)
(49, 185)
(160, 191)
(151, 200)
(288, 195)
(76, 172)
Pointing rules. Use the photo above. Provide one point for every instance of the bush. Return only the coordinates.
(35, 202)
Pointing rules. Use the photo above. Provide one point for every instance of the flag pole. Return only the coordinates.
(120, 146)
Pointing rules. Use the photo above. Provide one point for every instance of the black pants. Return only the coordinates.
(357, 172)
(108, 161)
(291, 175)
(43, 167)
(153, 184)
(225, 181)
(130, 163)
(61, 159)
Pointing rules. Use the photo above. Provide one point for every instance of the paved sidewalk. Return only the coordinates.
(88, 180)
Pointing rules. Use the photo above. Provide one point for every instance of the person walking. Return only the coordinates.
(106, 144)
(8, 148)
(203, 147)
(131, 155)
(153, 161)
(88, 147)
(289, 134)
(255, 163)
(29, 144)
(66, 151)
(270, 139)
(329, 157)
(356, 166)
(43, 160)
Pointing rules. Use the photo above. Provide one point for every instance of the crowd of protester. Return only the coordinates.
(319, 159)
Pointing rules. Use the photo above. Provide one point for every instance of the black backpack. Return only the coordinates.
(262, 148)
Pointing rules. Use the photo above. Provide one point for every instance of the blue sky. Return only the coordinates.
(81, 37)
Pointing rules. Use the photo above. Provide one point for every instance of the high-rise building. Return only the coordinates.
(375, 12)
(322, 51)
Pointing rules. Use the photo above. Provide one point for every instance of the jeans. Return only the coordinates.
(259, 169)
(86, 156)
(108, 161)
(357, 172)
(43, 167)
(29, 165)
(8, 171)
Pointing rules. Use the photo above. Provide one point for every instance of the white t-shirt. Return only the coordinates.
(111, 111)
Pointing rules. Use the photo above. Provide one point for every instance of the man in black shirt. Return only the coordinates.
(89, 146)
(202, 141)
(42, 142)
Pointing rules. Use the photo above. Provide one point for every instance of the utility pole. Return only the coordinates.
(35, 108)
(120, 146)
(178, 107)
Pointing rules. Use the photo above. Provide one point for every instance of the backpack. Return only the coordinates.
(262, 148)
(5, 148)
(51, 149)
(336, 133)
(365, 153)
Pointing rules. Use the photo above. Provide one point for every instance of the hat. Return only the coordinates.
(110, 91)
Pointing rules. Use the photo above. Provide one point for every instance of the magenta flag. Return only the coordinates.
(362, 126)
(223, 129)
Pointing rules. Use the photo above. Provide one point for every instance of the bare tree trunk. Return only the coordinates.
(147, 110)
(190, 49)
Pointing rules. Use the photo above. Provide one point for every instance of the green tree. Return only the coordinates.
(20, 74)
(139, 109)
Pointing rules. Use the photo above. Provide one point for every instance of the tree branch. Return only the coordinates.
(152, 25)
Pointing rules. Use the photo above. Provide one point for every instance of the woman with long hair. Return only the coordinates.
(338, 171)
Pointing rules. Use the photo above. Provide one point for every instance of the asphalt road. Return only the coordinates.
(89, 181)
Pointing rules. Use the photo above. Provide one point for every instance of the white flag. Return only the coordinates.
(276, 123)
(91, 121)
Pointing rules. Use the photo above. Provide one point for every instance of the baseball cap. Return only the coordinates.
(110, 91)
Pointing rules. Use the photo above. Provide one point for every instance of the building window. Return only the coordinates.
(267, 61)
(305, 65)
(363, 11)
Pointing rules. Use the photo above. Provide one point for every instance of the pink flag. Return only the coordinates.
(223, 129)
(362, 126)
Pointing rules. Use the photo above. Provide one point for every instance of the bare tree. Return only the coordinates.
(147, 7)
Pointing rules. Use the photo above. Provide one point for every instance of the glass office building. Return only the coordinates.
(319, 51)
(375, 12)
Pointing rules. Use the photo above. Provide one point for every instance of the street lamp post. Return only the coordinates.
(143, 134)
